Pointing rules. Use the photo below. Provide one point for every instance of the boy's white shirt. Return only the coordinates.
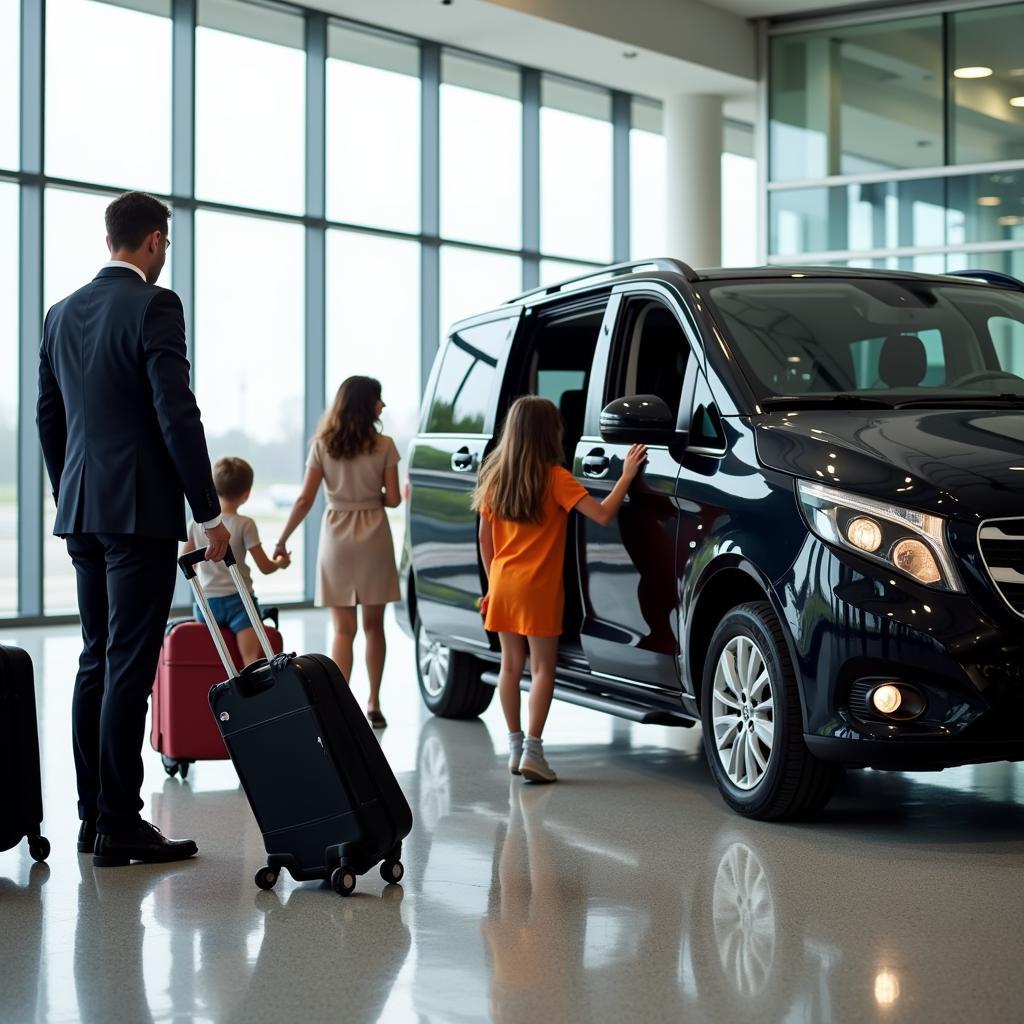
(214, 576)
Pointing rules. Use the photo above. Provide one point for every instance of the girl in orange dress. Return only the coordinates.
(524, 497)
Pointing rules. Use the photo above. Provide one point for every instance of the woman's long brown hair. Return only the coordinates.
(515, 477)
(351, 427)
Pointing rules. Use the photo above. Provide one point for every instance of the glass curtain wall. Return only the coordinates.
(899, 143)
(8, 398)
(356, 263)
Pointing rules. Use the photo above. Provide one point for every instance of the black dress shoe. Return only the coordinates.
(87, 837)
(144, 843)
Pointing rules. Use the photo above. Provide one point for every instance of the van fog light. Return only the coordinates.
(887, 699)
(916, 560)
(864, 533)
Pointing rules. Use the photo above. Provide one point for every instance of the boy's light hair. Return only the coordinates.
(232, 477)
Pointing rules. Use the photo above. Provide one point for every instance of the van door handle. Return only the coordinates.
(463, 461)
(596, 463)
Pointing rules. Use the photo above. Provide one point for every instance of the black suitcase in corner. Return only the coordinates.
(325, 797)
(21, 795)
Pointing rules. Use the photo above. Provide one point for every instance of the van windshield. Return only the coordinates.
(875, 342)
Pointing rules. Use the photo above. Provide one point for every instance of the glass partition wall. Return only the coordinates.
(899, 143)
(340, 195)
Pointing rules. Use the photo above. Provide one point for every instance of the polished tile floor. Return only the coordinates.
(625, 893)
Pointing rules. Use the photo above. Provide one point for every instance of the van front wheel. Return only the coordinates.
(753, 727)
(449, 680)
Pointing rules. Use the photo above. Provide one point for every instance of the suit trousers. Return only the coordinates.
(125, 587)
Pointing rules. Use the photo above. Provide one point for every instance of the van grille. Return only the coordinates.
(1002, 549)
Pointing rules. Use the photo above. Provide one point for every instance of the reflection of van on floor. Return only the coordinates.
(823, 560)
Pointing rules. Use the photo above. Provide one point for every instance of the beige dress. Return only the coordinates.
(356, 561)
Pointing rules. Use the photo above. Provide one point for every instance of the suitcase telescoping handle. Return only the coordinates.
(187, 564)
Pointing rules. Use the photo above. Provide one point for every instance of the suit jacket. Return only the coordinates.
(118, 423)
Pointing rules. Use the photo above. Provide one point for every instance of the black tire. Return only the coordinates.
(266, 879)
(450, 685)
(392, 871)
(39, 848)
(343, 881)
(794, 783)
(170, 765)
(183, 768)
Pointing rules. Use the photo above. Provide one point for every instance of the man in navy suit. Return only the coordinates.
(124, 448)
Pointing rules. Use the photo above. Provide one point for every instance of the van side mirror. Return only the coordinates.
(638, 419)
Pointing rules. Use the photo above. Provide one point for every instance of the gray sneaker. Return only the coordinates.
(534, 765)
(515, 753)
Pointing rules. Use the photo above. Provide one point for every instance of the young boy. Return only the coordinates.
(233, 479)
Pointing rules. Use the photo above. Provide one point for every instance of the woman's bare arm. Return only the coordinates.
(392, 492)
(303, 503)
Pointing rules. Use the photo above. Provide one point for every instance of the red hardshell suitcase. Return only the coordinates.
(21, 796)
(183, 729)
(325, 798)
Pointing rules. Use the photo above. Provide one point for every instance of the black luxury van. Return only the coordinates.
(823, 559)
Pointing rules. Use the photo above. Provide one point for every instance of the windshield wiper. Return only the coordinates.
(840, 401)
(965, 401)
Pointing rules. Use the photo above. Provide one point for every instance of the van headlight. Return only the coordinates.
(909, 542)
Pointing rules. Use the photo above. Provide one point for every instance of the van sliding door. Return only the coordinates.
(443, 473)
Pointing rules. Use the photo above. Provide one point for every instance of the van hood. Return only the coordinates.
(965, 463)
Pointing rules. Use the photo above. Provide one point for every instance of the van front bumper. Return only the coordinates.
(857, 624)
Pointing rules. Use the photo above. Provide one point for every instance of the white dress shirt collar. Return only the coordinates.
(126, 266)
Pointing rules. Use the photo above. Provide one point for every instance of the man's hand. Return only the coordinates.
(217, 543)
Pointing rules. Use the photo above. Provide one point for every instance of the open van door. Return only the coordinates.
(457, 427)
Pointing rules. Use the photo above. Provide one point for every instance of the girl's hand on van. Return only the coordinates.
(635, 458)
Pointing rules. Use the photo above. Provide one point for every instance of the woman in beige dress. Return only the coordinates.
(358, 467)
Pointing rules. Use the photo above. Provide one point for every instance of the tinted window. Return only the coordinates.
(463, 393)
(652, 353)
(826, 337)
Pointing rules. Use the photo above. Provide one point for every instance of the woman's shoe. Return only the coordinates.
(376, 719)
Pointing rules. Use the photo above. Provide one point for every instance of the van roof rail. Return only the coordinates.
(991, 277)
(614, 270)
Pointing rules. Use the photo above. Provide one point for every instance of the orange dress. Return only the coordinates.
(525, 593)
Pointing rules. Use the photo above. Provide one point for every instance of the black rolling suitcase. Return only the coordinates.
(325, 797)
(21, 794)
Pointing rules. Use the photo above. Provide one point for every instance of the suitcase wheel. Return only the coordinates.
(266, 878)
(343, 881)
(392, 871)
(39, 848)
(174, 767)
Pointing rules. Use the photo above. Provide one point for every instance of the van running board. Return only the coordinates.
(609, 705)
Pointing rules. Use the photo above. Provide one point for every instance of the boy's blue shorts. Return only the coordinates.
(229, 612)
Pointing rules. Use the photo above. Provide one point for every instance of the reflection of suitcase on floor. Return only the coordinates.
(21, 792)
(183, 730)
(325, 797)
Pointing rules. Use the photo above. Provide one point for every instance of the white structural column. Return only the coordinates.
(693, 152)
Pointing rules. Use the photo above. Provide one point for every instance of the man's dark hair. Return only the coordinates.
(132, 217)
(232, 477)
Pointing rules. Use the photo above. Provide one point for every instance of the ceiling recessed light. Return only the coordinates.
(1010, 221)
(989, 201)
(972, 72)
(1017, 101)
(1016, 72)
(629, 54)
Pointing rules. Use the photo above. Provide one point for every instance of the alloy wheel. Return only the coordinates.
(743, 710)
(433, 658)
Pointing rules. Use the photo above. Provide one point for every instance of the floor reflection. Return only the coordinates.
(626, 892)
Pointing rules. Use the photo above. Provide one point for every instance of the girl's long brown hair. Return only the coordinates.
(351, 427)
(515, 477)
